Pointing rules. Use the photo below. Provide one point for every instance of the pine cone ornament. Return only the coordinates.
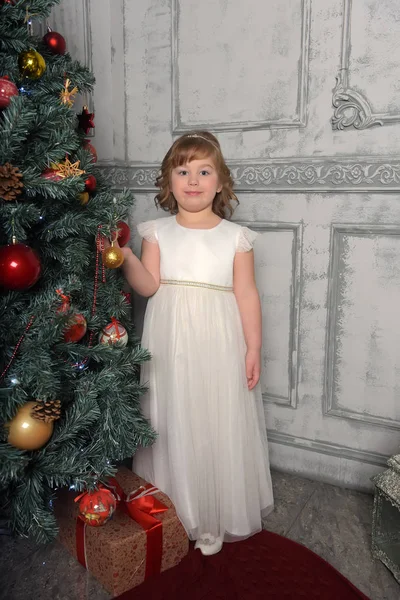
(10, 182)
(47, 411)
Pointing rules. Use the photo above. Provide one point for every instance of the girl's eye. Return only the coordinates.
(204, 172)
(182, 172)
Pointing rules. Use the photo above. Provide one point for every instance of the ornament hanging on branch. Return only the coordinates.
(68, 169)
(87, 145)
(86, 120)
(90, 184)
(51, 175)
(76, 325)
(67, 96)
(10, 182)
(114, 333)
(30, 429)
(8, 89)
(112, 257)
(55, 42)
(19, 267)
(96, 508)
(31, 64)
(84, 198)
(75, 329)
(124, 233)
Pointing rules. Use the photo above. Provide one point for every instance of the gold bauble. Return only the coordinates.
(31, 64)
(84, 198)
(113, 257)
(27, 433)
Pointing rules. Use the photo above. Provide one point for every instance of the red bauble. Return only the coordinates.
(75, 329)
(96, 508)
(86, 120)
(52, 175)
(124, 233)
(19, 267)
(55, 42)
(90, 148)
(90, 184)
(8, 89)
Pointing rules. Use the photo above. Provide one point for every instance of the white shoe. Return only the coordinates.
(208, 544)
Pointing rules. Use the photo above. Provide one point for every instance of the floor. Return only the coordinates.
(333, 522)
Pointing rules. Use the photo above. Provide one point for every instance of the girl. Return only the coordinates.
(203, 328)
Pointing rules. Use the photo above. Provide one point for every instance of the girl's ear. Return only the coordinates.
(219, 188)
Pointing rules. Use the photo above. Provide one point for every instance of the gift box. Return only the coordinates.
(140, 540)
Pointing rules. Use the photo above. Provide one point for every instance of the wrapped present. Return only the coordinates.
(143, 538)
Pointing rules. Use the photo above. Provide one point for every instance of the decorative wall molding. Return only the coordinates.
(300, 120)
(329, 448)
(352, 108)
(296, 229)
(329, 405)
(355, 174)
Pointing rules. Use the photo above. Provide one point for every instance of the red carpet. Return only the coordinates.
(266, 566)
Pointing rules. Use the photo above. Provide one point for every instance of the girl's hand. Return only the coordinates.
(253, 368)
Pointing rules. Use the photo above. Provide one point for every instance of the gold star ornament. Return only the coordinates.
(67, 168)
(67, 96)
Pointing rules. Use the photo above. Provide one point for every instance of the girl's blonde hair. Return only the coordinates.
(196, 146)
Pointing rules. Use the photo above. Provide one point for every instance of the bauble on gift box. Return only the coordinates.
(19, 267)
(96, 508)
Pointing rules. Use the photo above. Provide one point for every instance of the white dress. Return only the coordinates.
(211, 454)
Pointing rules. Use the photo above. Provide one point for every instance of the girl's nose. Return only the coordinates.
(193, 180)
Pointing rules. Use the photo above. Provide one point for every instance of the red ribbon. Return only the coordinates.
(141, 506)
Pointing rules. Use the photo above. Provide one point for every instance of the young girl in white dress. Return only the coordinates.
(203, 329)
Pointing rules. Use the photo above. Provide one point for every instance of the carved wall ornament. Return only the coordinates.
(351, 107)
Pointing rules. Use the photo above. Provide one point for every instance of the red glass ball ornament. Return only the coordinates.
(19, 267)
(96, 508)
(52, 175)
(90, 148)
(8, 89)
(124, 233)
(90, 184)
(55, 42)
(75, 329)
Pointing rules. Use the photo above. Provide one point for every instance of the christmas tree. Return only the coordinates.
(69, 358)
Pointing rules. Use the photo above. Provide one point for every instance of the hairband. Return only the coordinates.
(196, 135)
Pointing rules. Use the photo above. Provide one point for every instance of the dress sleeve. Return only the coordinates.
(148, 231)
(245, 240)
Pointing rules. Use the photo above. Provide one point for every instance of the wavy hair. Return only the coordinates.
(196, 145)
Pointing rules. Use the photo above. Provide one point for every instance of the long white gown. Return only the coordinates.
(211, 454)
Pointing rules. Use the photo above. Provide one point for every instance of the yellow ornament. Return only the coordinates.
(84, 198)
(31, 64)
(113, 257)
(27, 432)
(67, 168)
(67, 96)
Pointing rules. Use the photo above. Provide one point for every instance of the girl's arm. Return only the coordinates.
(143, 275)
(245, 290)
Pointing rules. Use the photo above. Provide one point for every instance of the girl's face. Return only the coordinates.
(195, 184)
